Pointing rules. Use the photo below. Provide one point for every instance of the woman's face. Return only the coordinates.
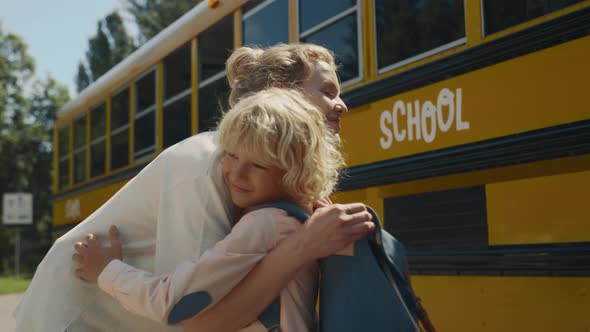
(322, 90)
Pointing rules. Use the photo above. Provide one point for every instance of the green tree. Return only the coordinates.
(152, 16)
(25, 147)
(108, 47)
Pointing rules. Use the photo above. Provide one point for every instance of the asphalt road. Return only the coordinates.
(7, 304)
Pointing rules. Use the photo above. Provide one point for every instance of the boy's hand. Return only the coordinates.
(93, 258)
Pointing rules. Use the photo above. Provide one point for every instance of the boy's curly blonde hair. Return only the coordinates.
(285, 130)
(250, 70)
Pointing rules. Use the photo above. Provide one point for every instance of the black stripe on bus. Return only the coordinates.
(126, 174)
(544, 144)
(533, 39)
(563, 259)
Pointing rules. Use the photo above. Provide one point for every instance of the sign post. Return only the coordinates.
(17, 211)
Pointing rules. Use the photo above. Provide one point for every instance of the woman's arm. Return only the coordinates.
(329, 230)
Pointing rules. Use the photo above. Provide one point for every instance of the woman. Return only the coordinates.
(176, 208)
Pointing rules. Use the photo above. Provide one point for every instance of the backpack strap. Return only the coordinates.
(294, 210)
(392, 269)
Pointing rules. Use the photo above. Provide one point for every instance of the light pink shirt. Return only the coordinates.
(217, 271)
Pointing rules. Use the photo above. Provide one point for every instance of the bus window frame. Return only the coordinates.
(139, 156)
(421, 56)
(117, 131)
(359, 32)
(63, 157)
(83, 148)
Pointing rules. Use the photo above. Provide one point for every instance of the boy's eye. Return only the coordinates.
(329, 94)
(260, 167)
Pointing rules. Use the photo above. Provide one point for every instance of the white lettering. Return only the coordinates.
(72, 208)
(445, 99)
(407, 121)
(429, 111)
(399, 106)
(388, 139)
(461, 125)
(414, 121)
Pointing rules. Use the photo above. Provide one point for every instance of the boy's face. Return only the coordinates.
(323, 90)
(249, 182)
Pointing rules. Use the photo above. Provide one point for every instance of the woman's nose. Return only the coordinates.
(340, 106)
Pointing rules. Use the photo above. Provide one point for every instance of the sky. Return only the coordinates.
(56, 32)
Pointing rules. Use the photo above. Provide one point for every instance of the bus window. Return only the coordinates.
(145, 116)
(266, 24)
(335, 25)
(215, 45)
(502, 14)
(212, 100)
(64, 157)
(177, 96)
(97, 140)
(80, 149)
(407, 31)
(120, 129)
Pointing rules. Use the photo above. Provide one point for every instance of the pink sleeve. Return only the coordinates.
(216, 272)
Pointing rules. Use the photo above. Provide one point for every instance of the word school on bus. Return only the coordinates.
(422, 121)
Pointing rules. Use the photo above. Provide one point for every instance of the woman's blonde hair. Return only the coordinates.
(284, 130)
(250, 70)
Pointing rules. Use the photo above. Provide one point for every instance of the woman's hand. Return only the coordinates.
(333, 228)
(93, 258)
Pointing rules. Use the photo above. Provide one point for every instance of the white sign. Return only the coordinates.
(17, 209)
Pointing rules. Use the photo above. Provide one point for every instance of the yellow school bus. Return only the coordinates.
(468, 132)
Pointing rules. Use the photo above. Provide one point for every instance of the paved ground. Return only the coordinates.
(7, 304)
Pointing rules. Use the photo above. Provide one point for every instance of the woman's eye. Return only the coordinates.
(329, 94)
(231, 155)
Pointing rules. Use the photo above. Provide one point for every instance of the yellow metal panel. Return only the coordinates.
(131, 121)
(293, 21)
(87, 152)
(511, 97)
(194, 87)
(507, 304)
(238, 28)
(159, 107)
(56, 152)
(76, 208)
(473, 22)
(107, 127)
(540, 210)
(71, 170)
(368, 33)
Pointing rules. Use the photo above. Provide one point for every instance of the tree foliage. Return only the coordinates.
(152, 16)
(26, 111)
(109, 46)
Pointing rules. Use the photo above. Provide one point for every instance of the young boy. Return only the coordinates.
(275, 146)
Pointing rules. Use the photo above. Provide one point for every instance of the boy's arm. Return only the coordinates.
(329, 230)
(213, 275)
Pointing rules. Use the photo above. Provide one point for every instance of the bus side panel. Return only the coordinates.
(548, 209)
(489, 303)
(515, 96)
